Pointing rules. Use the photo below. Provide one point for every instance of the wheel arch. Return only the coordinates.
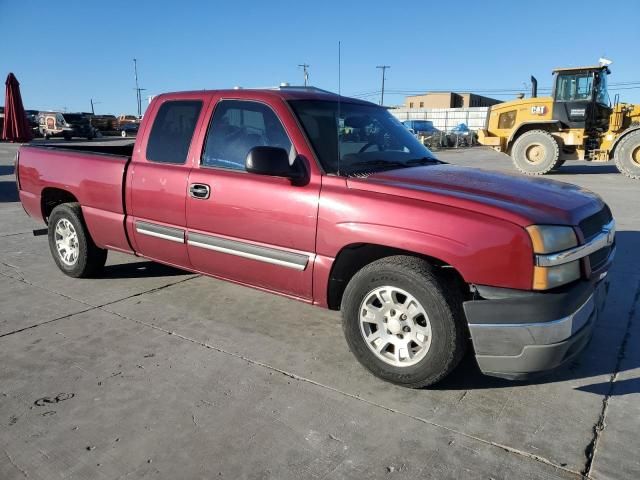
(51, 197)
(620, 137)
(524, 127)
(353, 257)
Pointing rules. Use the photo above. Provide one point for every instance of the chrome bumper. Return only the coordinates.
(517, 350)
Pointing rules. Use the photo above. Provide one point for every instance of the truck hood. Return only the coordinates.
(521, 200)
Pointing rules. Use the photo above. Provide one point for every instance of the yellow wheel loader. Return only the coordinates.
(577, 122)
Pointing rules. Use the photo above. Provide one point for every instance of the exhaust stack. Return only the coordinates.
(534, 87)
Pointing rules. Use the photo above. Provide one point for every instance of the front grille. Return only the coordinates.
(598, 258)
(592, 225)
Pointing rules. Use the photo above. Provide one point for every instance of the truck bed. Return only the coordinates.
(120, 150)
(92, 175)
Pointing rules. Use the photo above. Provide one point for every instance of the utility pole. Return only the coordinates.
(138, 89)
(93, 104)
(384, 69)
(306, 72)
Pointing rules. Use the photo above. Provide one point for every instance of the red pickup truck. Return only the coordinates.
(332, 201)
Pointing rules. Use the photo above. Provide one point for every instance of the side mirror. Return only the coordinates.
(272, 161)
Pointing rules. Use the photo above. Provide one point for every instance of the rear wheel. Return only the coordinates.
(71, 245)
(627, 155)
(403, 323)
(535, 152)
(123, 134)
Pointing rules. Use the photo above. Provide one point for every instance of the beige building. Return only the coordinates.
(448, 100)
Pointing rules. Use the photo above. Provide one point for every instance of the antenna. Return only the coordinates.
(339, 97)
(305, 66)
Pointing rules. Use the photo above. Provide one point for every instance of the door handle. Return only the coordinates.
(199, 191)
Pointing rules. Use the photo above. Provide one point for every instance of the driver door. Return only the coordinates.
(252, 229)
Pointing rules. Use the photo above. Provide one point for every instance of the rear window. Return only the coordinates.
(172, 131)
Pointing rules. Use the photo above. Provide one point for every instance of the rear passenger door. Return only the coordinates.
(157, 180)
(253, 229)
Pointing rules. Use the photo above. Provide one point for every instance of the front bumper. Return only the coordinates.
(551, 328)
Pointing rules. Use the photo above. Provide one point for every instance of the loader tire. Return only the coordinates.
(627, 155)
(535, 152)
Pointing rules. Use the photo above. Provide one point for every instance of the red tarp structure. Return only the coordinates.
(16, 126)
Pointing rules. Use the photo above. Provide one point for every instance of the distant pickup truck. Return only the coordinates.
(266, 189)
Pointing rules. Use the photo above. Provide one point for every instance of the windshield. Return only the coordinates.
(574, 86)
(368, 137)
(602, 94)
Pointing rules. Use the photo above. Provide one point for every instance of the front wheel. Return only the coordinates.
(627, 155)
(535, 152)
(403, 323)
(71, 245)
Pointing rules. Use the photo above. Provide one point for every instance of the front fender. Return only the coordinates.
(485, 251)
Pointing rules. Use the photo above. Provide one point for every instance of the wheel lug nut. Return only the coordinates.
(400, 336)
(406, 329)
(403, 317)
(392, 312)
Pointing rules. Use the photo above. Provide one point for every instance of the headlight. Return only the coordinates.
(552, 238)
(545, 278)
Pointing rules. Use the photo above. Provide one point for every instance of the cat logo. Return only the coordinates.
(538, 110)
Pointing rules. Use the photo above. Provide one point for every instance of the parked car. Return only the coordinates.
(124, 119)
(461, 136)
(105, 123)
(421, 127)
(80, 125)
(67, 125)
(262, 190)
(32, 118)
(129, 130)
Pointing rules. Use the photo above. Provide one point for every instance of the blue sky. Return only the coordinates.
(65, 53)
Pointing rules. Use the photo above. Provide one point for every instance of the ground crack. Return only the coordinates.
(91, 307)
(601, 424)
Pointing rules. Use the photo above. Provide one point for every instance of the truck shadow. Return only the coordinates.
(467, 376)
(143, 269)
(8, 191)
(6, 170)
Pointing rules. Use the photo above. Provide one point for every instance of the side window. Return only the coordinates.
(238, 126)
(172, 131)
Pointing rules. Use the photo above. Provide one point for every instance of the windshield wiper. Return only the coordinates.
(378, 163)
(423, 161)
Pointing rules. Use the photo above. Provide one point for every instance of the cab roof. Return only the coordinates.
(590, 68)
(283, 92)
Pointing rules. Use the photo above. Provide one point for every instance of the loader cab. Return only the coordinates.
(580, 97)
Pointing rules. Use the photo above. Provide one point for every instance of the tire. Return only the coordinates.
(535, 152)
(123, 134)
(442, 318)
(627, 155)
(81, 257)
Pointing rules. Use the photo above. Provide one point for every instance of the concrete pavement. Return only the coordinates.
(151, 371)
